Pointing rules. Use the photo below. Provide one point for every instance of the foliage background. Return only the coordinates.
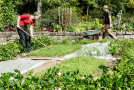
(85, 10)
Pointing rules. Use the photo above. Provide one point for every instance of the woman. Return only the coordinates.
(22, 22)
(107, 20)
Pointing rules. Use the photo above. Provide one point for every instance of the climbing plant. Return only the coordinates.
(7, 12)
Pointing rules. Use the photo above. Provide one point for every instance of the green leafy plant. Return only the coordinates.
(114, 48)
(70, 28)
(9, 51)
(7, 14)
(56, 27)
(96, 24)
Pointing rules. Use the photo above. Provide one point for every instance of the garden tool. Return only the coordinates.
(97, 32)
(35, 39)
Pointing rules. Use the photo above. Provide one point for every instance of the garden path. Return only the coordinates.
(22, 64)
(98, 50)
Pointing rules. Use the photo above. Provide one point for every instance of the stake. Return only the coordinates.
(35, 39)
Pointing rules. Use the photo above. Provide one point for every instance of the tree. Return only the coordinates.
(89, 3)
(26, 6)
(131, 3)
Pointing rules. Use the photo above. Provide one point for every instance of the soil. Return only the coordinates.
(50, 63)
(110, 65)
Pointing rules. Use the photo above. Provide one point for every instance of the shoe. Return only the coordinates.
(23, 54)
(28, 50)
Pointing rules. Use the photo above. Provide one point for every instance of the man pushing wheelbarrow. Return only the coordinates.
(107, 26)
(107, 21)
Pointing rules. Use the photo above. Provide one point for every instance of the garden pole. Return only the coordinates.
(35, 39)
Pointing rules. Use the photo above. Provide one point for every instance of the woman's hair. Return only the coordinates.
(36, 14)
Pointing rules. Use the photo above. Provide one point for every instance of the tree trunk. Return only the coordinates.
(87, 14)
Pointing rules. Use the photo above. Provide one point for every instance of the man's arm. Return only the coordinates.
(110, 20)
(31, 30)
(103, 20)
(18, 22)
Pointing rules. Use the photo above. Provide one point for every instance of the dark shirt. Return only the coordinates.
(106, 15)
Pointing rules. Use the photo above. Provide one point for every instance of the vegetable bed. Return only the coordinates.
(85, 65)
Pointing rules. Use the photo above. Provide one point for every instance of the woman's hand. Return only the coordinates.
(18, 21)
(32, 36)
(18, 26)
(31, 31)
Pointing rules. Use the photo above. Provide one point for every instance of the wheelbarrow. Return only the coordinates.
(95, 33)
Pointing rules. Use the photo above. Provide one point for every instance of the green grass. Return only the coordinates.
(56, 50)
(86, 65)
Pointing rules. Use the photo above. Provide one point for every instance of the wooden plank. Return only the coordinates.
(41, 58)
(112, 35)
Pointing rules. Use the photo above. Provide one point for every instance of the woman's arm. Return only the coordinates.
(31, 30)
(18, 22)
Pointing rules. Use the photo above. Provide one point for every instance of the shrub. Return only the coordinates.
(10, 50)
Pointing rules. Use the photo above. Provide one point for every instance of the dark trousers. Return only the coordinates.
(24, 38)
(105, 33)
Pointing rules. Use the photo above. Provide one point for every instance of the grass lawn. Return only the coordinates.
(86, 65)
(56, 50)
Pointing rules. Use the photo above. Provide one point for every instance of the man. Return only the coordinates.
(107, 21)
(22, 22)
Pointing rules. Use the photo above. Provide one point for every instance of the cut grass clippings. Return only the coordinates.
(85, 65)
(56, 50)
